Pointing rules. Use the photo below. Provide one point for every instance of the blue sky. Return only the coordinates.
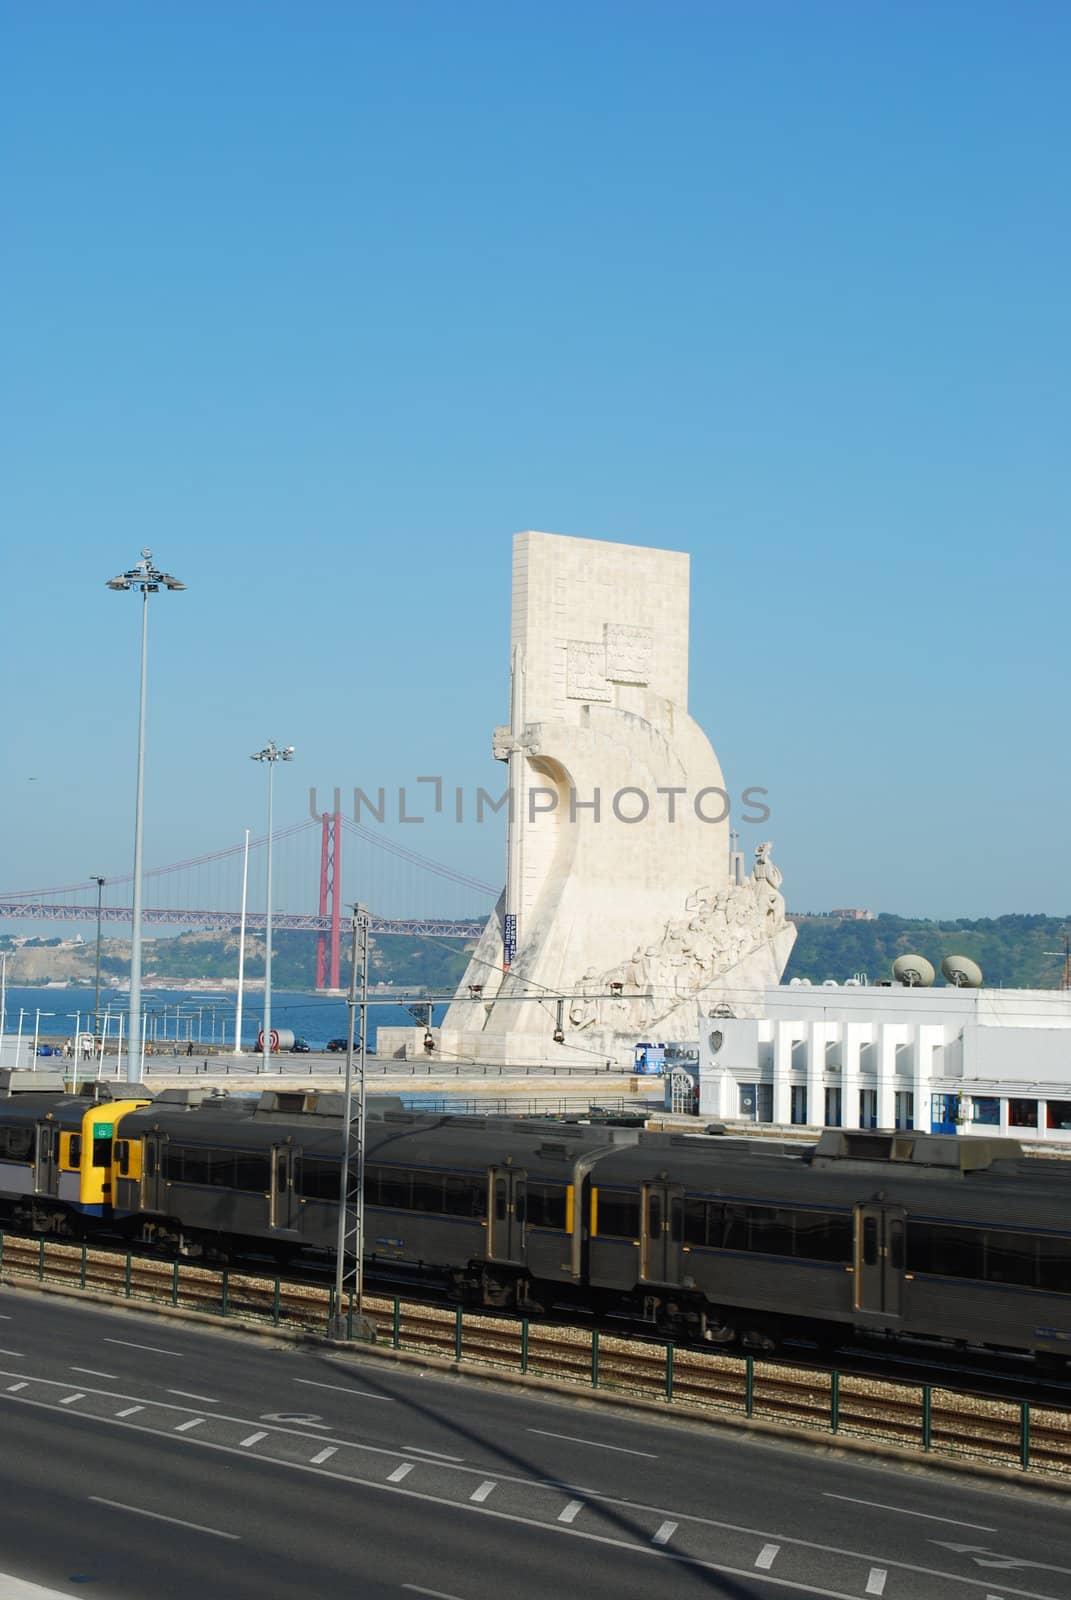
(324, 301)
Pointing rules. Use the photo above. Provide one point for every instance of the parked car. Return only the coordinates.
(301, 1047)
(335, 1045)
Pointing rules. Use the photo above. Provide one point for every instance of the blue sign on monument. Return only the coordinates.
(509, 940)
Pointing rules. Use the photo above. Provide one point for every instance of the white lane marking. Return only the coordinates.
(12, 1387)
(130, 1410)
(875, 1584)
(158, 1516)
(155, 1348)
(480, 1494)
(184, 1427)
(597, 1443)
(767, 1556)
(665, 1533)
(69, 1400)
(205, 1399)
(4, 1317)
(904, 1512)
(254, 1438)
(810, 1590)
(16, 1353)
(91, 1372)
(571, 1512)
(415, 1450)
(325, 1455)
(342, 1388)
(433, 1594)
(400, 1472)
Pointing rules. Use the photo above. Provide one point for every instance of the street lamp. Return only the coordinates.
(149, 580)
(96, 983)
(271, 753)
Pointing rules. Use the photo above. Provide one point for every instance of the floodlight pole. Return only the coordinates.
(349, 1245)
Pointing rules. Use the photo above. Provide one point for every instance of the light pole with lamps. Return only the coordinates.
(271, 753)
(149, 580)
(96, 982)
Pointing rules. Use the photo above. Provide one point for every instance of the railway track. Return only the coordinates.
(930, 1417)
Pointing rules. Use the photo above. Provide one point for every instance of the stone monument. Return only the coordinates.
(624, 907)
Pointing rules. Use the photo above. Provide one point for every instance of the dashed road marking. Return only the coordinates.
(665, 1533)
(158, 1516)
(415, 1450)
(400, 1472)
(155, 1348)
(205, 1399)
(68, 1400)
(254, 1438)
(433, 1594)
(767, 1556)
(16, 1353)
(344, 1388)
(480, 1494)
(91, 1372)
(13, 1387)
(130, 1411)
(596, 1443)
(184, 1427)
(875, 1583)
(324, 1455)
(903, 1511)
(571, 1512)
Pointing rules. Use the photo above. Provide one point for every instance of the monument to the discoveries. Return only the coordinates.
(621, 892)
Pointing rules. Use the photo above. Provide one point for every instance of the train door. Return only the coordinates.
(152, 1172)
(660, 1233)
(46, 1159)
(879, 1258)
(505, 1231)
(282, 1200)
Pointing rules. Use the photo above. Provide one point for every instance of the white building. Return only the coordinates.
(944, 1060)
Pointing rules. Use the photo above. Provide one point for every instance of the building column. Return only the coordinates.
(818, 1035)
(854, 1037)
(784, 1033)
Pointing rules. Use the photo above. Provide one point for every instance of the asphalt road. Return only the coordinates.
(143, 1457)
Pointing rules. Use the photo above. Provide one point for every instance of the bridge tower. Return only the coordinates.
(328, 945)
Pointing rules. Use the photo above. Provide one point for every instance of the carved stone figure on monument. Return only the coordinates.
(584, 1009)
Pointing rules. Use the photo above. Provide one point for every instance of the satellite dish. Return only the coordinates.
(914, 972)
(961, 972)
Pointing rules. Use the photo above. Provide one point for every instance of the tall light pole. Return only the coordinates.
(271, 753)
(96, 982)
(241, 953)
(149, 580)
(349, 1243)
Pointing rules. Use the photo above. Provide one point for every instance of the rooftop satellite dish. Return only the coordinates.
(914, 972)
(962, 972)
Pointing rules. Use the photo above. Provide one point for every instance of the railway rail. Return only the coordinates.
(931, 1418)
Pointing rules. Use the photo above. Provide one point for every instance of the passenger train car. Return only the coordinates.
(735, 1242)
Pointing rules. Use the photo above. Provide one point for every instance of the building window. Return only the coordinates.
(985, 1109)
(832, 1108)
(905, 1108)
(765, 1102)
(868, 1108)
(799, 1103)
(1022, 1113)
(1058, 1114)
(749, 1101)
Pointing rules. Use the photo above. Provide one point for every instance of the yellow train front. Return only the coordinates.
(56, 1152)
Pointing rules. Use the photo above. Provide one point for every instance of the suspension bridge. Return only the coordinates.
(204, 892)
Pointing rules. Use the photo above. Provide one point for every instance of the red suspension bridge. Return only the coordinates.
(380, 870)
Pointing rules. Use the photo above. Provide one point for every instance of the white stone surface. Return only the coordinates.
(618, 865)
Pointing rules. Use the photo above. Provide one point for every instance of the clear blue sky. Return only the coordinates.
(323, 301)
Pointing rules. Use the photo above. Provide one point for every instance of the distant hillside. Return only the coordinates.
(1011, 951)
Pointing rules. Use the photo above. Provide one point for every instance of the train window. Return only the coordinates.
(252, 1173)
(896, 1244)
(1012, 1258)
(870, 1241)
(462, 1197)
(102, 1150)
(74, 1154)
(16, 1144)
(546, 1205)
(319, 1180)
(395, 1189)
(428, 1192)
(520, 1206)
(1054, 1265)
(654, 1214)
(770, 1230)
(500, 1199)
(822, 1236)
(946, 1250)
(676, 1219)
(695, 1222)
(618, 1214)
(150, 1158)
(122, 1155)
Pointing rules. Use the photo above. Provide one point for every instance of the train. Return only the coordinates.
(706, 1239)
